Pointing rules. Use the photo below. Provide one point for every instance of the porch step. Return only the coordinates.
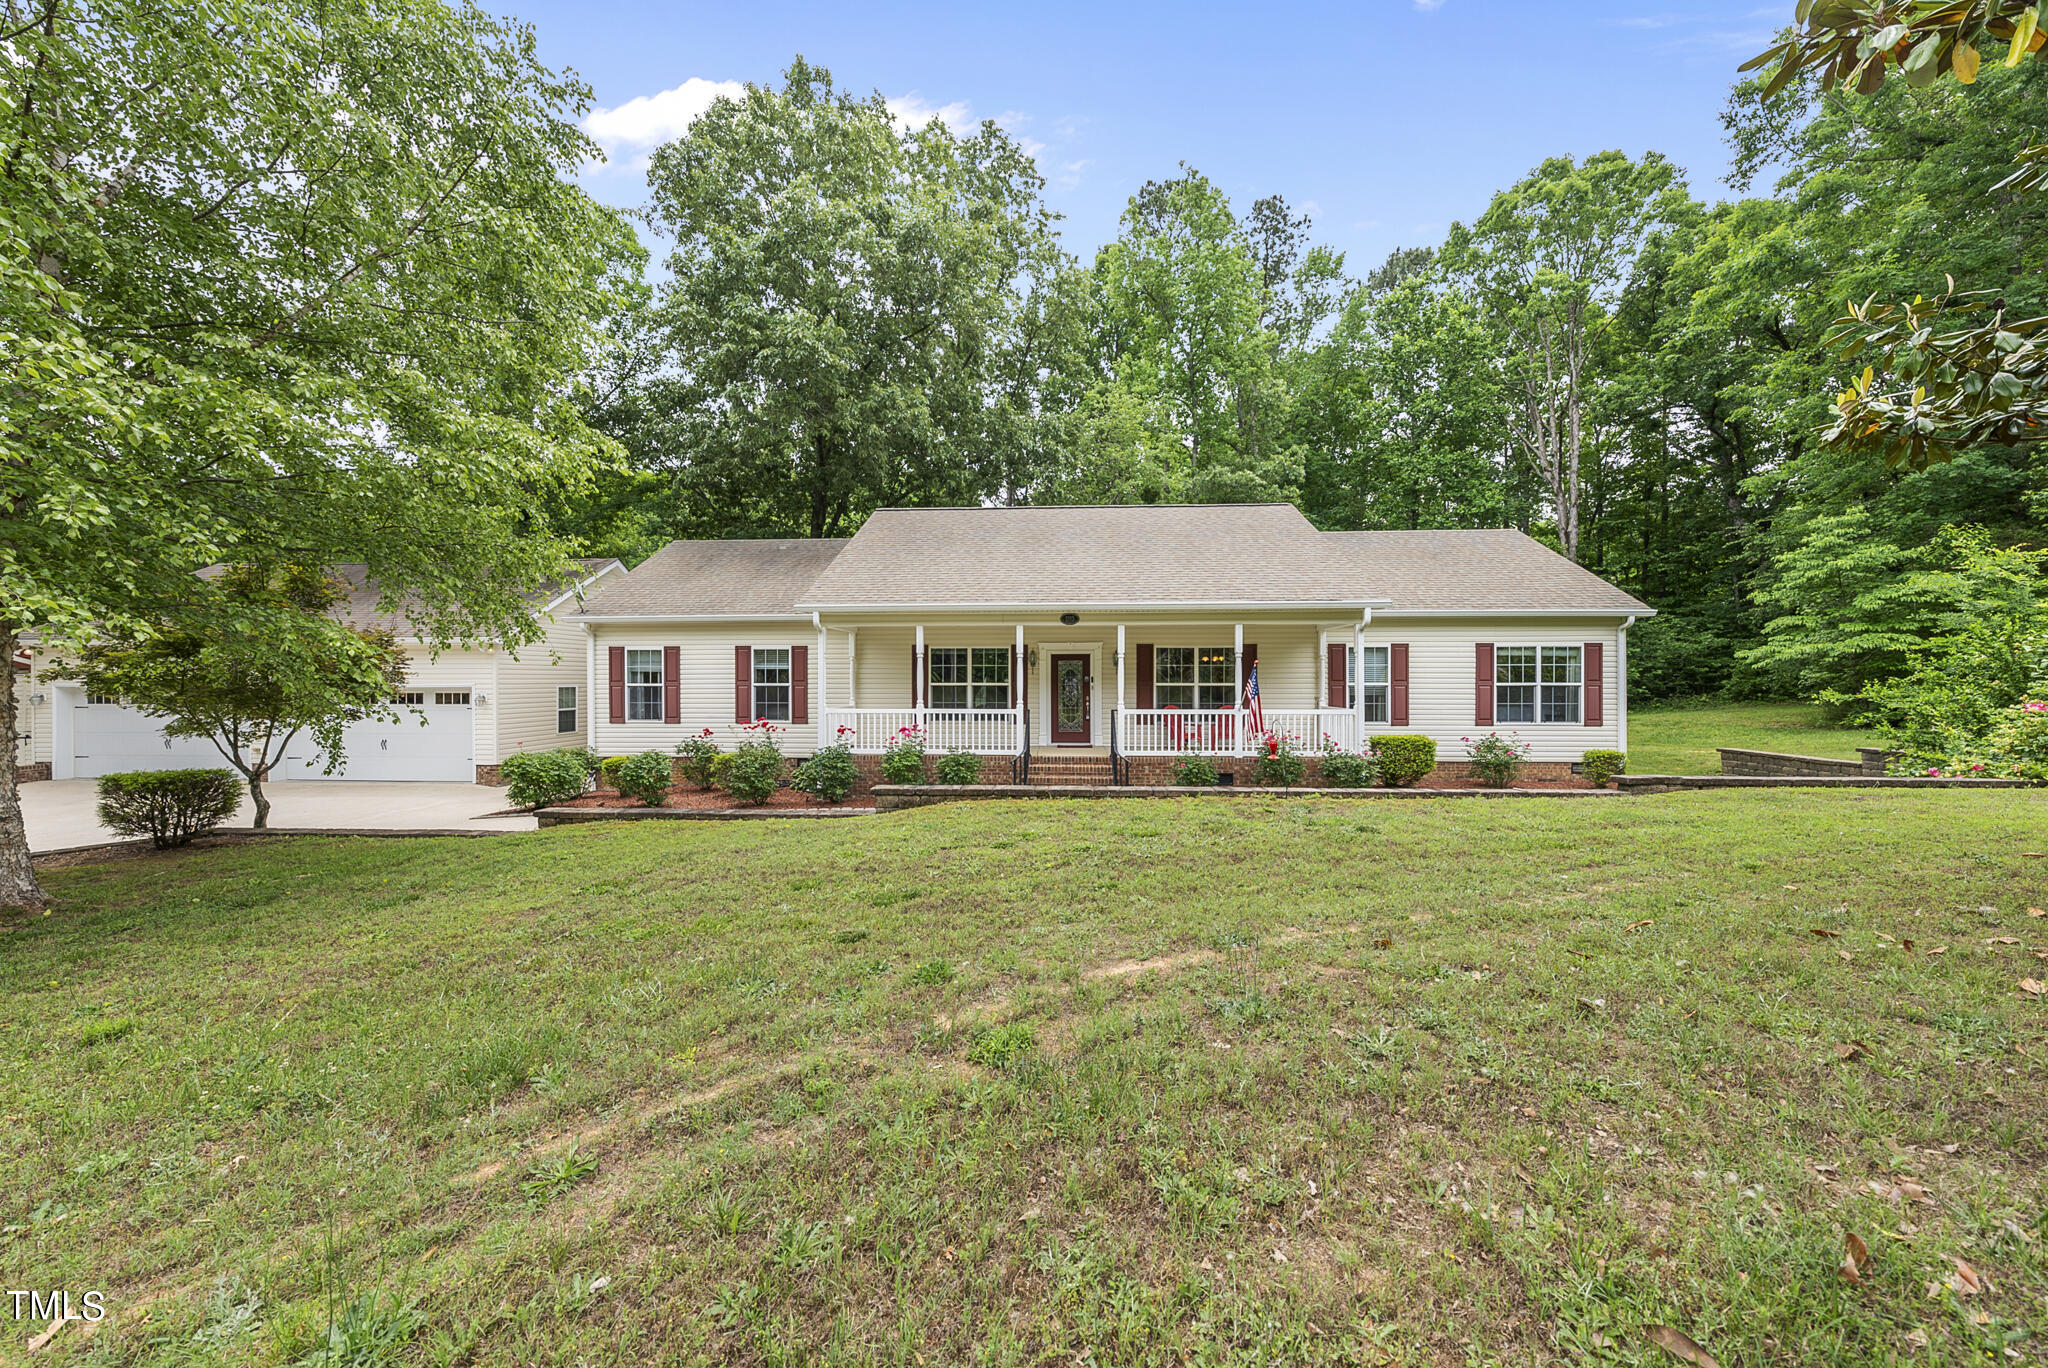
(1072, 769)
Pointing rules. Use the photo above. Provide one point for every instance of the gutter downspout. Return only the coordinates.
(1621, 684)
(590, 685)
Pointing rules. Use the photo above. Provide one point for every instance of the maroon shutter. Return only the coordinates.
(1339, 691)
(1593, 671)
(743, 684)
(1397, 672)
(1145, 680)
(618, 683)
(671, 684)
(1482, 684)
(799, 683)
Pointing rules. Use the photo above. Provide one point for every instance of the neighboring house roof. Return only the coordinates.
(1123, 555)
(718, 579)
(360, 607)
(1491, 570)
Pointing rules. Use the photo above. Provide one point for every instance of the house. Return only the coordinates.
(1098, 642)
(463, 710)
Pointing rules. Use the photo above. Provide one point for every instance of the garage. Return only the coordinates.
(109, 737)
(433, 739)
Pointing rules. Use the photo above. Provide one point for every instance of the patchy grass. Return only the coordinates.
(1684, 740)
(1318, 1081)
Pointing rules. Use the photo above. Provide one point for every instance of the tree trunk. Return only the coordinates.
(262, 803)
(18, 886)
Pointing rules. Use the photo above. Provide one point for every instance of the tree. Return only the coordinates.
(846, 303)
(1544, 263)
(258, 660)
(286, 280)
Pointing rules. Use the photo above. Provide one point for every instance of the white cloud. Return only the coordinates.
(1649, 21)
(1366, 223)
(650, 120)
(1070, 173)
(1012, 122)
(916, 111)
(1428, 5)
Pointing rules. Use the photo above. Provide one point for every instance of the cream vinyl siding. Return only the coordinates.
(525, 697)
(31, 722)
(1442, 680)
(707, 682)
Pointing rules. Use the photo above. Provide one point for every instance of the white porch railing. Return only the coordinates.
(1227, 731)
(872, 730)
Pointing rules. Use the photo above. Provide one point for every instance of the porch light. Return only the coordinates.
(1031, 657)
(1069, 619)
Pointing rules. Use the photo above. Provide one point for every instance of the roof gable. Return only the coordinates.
(716, 579)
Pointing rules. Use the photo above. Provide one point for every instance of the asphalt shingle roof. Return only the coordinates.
(1475, 571)
(716, 578)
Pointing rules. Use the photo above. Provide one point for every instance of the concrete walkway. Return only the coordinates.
(60, 812)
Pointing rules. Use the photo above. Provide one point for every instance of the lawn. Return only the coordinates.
(1148, 1082)
(1684, 740)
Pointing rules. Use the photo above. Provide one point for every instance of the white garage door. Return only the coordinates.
(108, 737)
(432, 739)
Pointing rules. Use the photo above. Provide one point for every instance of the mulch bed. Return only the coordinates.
(689, 796)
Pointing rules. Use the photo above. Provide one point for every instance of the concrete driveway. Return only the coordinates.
(59, 812)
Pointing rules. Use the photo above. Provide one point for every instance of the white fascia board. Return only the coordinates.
(579, 586)
(1071, 605)
(1515, 612)
(600, 619)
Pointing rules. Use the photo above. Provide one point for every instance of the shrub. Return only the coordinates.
(1496, 759)
(700, 756)
(1348, 769)
(537, 778)
(1279, 763)
(1404, 759)
(646, 776)
(754, 771)
(827, 776)
(1601, 765)
(168, 806)
(608, 770)
(1193, 771)
(959, 767)
(903, 761)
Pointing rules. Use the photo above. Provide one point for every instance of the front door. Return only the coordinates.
(1072, 688)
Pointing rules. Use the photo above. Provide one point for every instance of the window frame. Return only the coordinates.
(1380, 690)
(1202, 668)
(1539, 700)
(763, 708)
(574, 692)
(644, 695)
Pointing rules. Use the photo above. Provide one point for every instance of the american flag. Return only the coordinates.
(1251, 699)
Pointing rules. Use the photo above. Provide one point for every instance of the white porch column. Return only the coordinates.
(920, 679)
(1358, 673)
(852, 674)
(1017, 691)
(824, 689)
(1118, 709)
(1237, 655)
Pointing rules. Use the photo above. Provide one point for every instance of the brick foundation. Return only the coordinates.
(488, 774)
(1157, 771)
(30, 774)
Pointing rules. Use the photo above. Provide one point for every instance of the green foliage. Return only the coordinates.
(1404, 759)
(903, 761)
(700, 759)
(371, 1332)
(608, 771)
(829, 775)
(1193, 770)
(1350, 769)
(168, 806)
(646, 776)
(958, 767)
(1003, 1047)
(1278, 762)
(537, 778)
(551, 1177)
(933, 973)
(1599, 766)
(1497, 759)
(754, 771)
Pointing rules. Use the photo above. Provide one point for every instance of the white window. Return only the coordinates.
(452, 699)
(1368, 677)
(1536, 684)
(565, 708)
(963, 677)
(643, 686)
(771, 683)
(1194, 677)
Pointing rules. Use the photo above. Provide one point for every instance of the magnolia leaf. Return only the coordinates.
(2033, 987)
(1854, 1049)
(1855, 1257)
(1824, 933)
(1964, 63)
(2023, 36)
(1966, 1282)
(1680, 1346)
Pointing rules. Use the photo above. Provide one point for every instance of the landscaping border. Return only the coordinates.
(896, 797)
(573, 816)
(1672, 783)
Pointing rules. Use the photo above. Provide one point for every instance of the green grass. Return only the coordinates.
(1225, 1082)
(1684, 740)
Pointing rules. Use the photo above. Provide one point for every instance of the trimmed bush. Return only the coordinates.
(608, 770)
(1193, 771)
(700, 756)
(646, 776)
(537, 778)
(1347, 769)
(1601, 765)
(958, 767)
(168, 806)
(827, 776)
(903, 762)
(1404, 759)
(754, 771)
(1497, 759)
(1279, 763)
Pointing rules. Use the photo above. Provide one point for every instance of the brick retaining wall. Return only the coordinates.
(1756, 762)
(1671, 783)
(29, 774)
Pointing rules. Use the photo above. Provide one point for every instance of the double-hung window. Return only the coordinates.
(565, 708)
(771, 683)
(1369, 676)
(1194, 677)
(643, 685)
(1537, 684)
(964, 677)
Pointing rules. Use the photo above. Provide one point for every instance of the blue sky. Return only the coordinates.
(1385, 119)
